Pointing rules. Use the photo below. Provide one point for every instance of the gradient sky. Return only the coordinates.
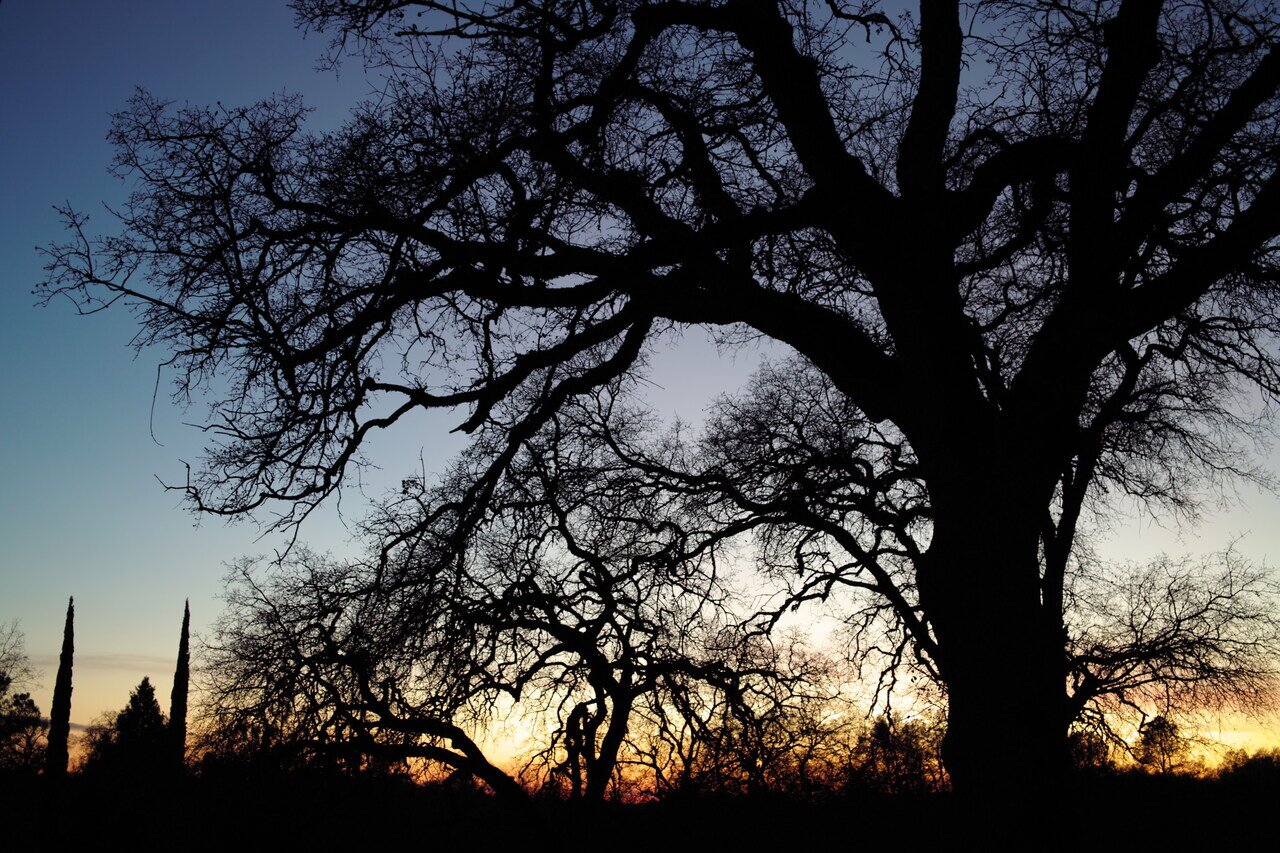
(81, 510)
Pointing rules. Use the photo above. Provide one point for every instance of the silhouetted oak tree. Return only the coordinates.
(1031, 244)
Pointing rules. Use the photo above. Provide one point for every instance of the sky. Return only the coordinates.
(82, 511)
(85, 439)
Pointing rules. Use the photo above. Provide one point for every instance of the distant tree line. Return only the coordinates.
(315, 669)
(137, 742)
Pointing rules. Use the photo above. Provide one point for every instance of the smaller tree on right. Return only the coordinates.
(1172, 638)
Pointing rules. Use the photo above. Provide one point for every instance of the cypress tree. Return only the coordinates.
(178, 698)
(60, 712)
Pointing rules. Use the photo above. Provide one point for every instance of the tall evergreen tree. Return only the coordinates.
(178, 698)
(136, 744)
(60, 712)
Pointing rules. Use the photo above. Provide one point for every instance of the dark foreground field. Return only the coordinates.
(299, 813)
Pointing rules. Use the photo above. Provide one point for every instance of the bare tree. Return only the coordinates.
(577, 596)
(22, 728)
(14, 662)
(585, 596)
(310, 661)
(1032, 243)
(776, 721)
(898, 757)
(1172, 638)
(599, 589)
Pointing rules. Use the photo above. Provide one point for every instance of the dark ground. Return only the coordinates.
(1121, 812)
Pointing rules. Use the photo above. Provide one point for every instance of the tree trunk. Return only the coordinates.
(605, 760)
(1001, 652)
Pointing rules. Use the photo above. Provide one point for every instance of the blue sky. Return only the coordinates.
(81, 510)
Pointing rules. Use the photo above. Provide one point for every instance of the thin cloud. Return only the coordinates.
(111, 662)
